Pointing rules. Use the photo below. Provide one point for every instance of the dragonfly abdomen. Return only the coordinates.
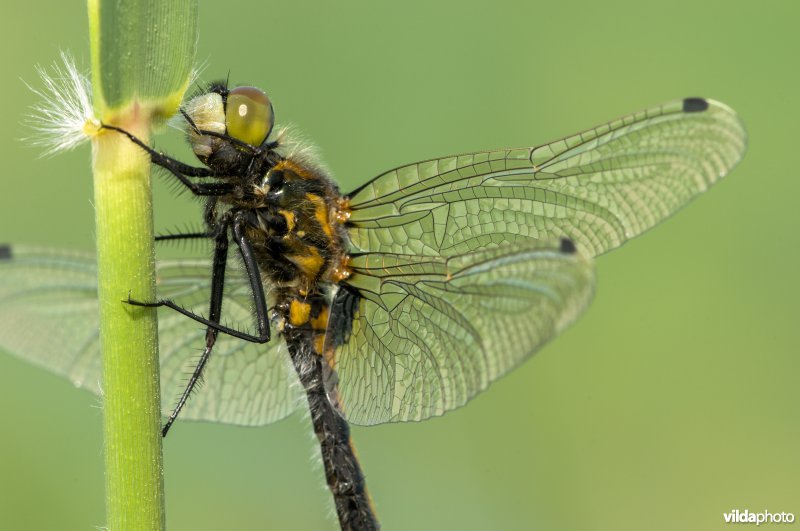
(305, 325)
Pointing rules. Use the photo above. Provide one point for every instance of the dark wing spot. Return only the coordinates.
(5, 252)
(567, 247)
(695, 105)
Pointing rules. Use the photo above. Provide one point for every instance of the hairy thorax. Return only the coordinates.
(296, 221)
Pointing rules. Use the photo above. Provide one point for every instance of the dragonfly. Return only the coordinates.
(398, 301)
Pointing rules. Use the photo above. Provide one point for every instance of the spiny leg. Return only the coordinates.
(215, 312)
(214, 315)
(180, 170)
(262, 337)
(253, 275)
(256, 288)
(184, 236)
(210, 218)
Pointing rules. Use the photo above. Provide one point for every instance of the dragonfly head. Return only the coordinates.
(244, 114)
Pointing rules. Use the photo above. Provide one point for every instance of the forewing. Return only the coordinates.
(48, 316)
(431, 332)
(598, 188)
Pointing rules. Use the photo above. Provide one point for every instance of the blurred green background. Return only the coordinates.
(672, 401)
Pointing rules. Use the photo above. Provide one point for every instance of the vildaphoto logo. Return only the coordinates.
(765, 517)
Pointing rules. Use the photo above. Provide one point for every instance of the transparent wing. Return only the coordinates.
(48, 316)
(48, 312)
(598, 188)
(429, 333)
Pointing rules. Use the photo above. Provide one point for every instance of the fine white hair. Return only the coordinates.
(63, 118)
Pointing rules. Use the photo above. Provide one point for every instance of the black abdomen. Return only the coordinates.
(306, 321)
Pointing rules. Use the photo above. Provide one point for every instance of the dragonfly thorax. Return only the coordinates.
(296, 226)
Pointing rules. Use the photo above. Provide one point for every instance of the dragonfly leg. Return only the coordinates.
(184, 236)
(211, 338)
(217, 285)
(178, 169)
(253, 275)
(214, 314)
(167, 303)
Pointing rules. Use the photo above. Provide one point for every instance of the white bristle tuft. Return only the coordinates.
(64, 117)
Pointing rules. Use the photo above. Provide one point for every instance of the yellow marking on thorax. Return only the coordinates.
(299, 312)
(290, 221)
(298, 169)
(309, 263)
(321, 214)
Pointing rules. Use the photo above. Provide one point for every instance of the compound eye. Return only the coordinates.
(248, 115)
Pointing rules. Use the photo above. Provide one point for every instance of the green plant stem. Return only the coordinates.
(125, 257)
(142, 54)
